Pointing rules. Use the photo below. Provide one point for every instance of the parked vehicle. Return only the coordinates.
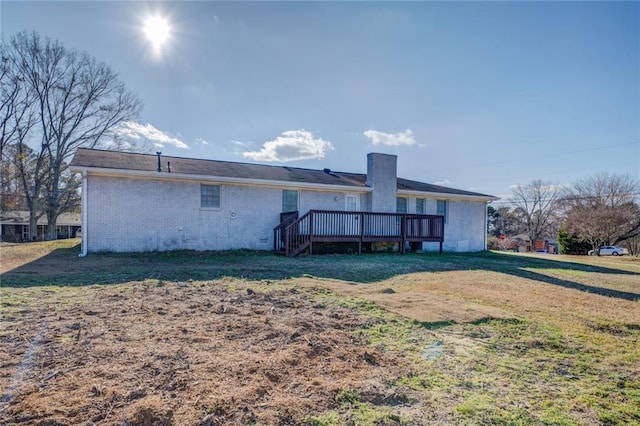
(609, 251)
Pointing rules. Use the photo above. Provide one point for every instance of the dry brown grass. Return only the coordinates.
(318, 340)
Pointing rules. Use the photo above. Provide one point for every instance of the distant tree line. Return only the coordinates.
(53, 100)
(603, 209)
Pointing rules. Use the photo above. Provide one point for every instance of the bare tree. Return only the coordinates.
(11, 183)
(17, 117)
(79, 103)
(603, 209)
(537, 207)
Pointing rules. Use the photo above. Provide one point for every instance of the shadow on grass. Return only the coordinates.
(63, 267)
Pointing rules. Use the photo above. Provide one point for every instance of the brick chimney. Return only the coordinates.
(382, 172)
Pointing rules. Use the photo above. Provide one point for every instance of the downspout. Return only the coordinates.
(486, 229)
(85, 194)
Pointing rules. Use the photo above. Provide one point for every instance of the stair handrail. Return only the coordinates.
(278, 230)
(295, 241)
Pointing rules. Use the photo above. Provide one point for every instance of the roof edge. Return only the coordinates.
(98, 171)
(467, 197)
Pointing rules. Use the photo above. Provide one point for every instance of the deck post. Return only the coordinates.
(442, 238)
(361, 233)
(403, 232)
(310, 231)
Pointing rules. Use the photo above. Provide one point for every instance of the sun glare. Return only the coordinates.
(157, 31)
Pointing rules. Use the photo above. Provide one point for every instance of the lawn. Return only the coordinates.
(188, 338)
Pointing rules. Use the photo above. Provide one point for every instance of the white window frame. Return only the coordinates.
(297, 200)
(352, 200)
(406, 204)
(445, 203)
(203, 185)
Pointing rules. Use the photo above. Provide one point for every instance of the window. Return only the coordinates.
(289, 201)
(420, 206)
(351, 203)
(401, 205)
(442, 209)
(210, 196)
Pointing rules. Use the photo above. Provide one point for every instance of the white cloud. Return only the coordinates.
(391, 139)
(442, 182)
(200, 141)
(134, 130)
(292, 145)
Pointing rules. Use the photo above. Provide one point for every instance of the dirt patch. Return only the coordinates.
(211, 353)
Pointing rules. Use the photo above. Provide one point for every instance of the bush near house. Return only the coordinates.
(570, 244)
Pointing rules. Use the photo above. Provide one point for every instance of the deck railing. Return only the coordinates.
(360, 227)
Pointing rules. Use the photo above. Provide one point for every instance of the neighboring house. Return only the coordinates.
(140, 202)
(15, 226)
(523, 244)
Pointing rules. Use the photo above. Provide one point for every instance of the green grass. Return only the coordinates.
(509, 372)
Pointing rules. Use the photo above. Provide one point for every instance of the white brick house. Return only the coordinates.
(140, 202)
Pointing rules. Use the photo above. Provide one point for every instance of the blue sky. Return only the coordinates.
(472, 95)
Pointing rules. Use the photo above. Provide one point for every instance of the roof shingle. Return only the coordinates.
(94, 158)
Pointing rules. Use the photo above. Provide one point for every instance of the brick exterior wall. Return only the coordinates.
(129, 215)
(382, 178)
(465, 227)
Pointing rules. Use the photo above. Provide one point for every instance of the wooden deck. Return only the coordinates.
(296, 234)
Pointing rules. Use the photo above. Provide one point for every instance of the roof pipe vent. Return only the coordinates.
(159, 164)
(330, 173)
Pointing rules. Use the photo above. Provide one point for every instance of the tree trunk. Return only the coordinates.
(53, 201)
(51, 227)
(33, 221)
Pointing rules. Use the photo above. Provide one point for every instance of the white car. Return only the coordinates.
(609, 251)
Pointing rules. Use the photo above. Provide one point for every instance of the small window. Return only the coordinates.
(289, 201)
(351, 203)
(401, 205)
(210, 196)
(420, 206)
(442, 209)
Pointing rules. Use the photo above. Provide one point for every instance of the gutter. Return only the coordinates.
(98, 171)
(85, 195)
(486, 229)
(449, 196)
